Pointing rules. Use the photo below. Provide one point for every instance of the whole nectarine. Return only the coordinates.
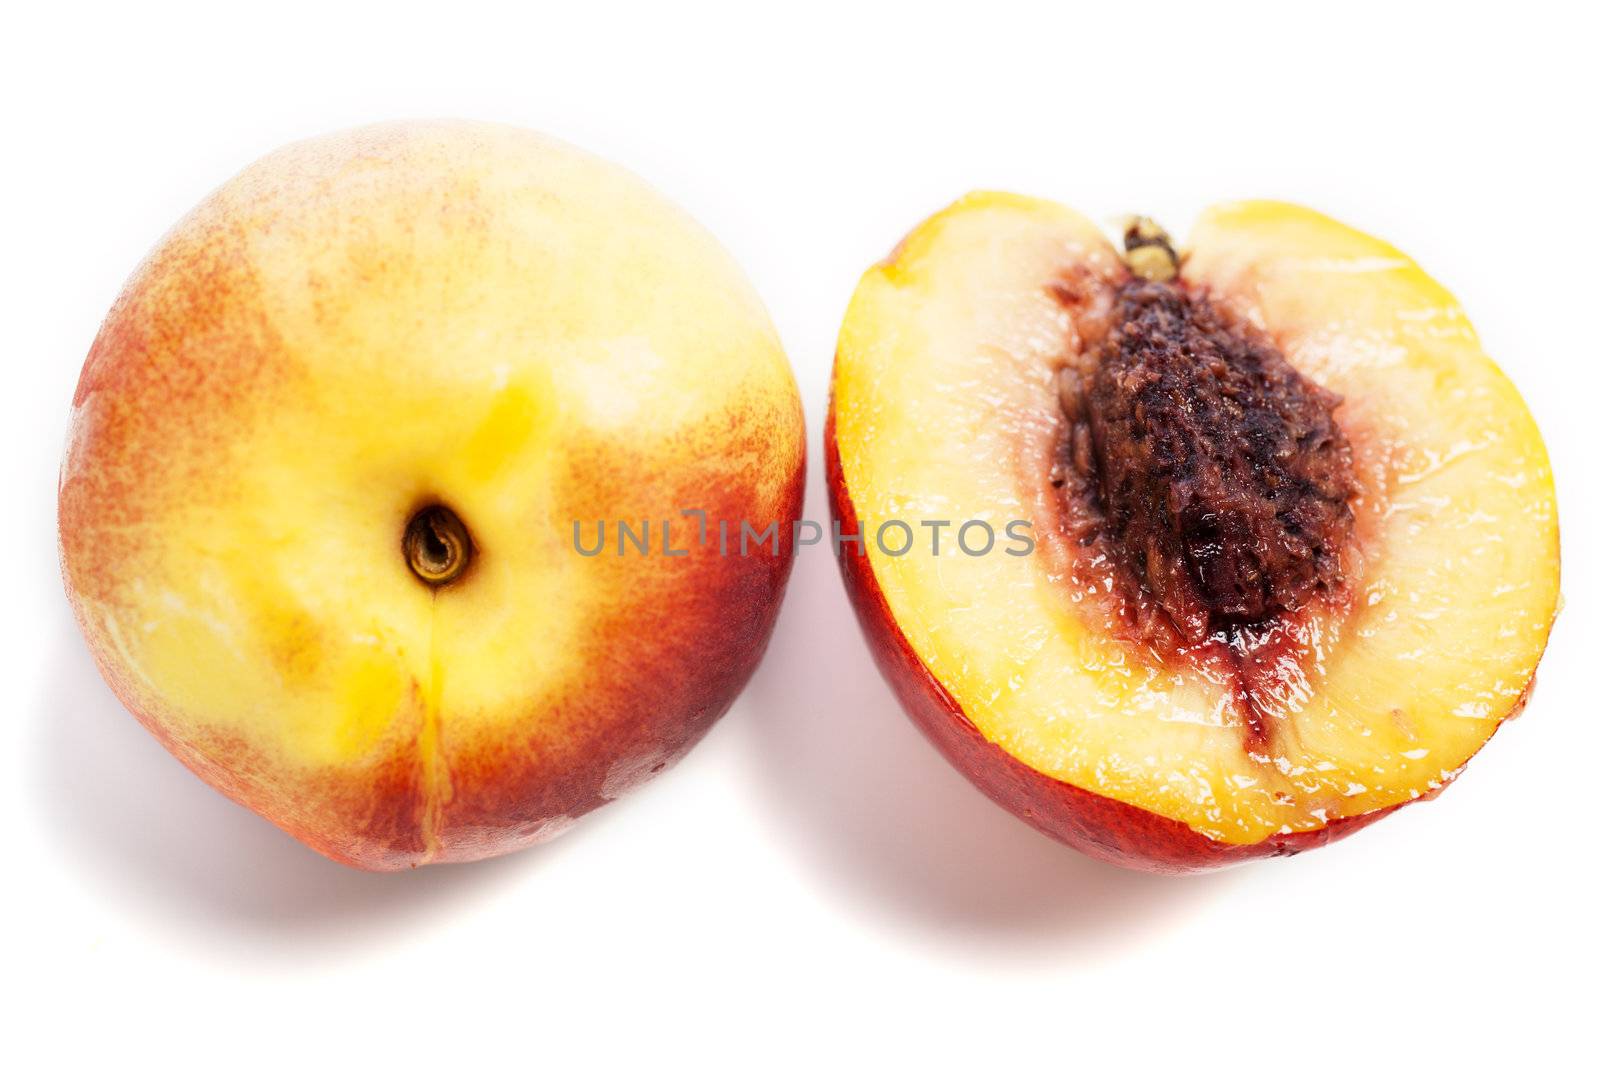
(318, 507)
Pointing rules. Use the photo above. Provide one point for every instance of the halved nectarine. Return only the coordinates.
(1294, 547)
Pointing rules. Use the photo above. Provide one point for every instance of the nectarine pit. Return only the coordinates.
(436, 545)
(1216, 471)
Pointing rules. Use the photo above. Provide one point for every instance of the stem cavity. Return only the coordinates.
(437, 545)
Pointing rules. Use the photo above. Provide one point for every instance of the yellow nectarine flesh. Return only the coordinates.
(1266, 736)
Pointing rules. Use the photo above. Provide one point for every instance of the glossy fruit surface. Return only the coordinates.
(364, 326)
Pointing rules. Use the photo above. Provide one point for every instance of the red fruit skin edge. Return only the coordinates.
(1097, 826)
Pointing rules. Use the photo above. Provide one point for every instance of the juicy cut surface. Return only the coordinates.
(1224, 480)
(963, 388)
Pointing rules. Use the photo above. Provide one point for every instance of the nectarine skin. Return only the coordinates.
(369, 323)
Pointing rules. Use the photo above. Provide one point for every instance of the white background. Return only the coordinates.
(813, 883)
